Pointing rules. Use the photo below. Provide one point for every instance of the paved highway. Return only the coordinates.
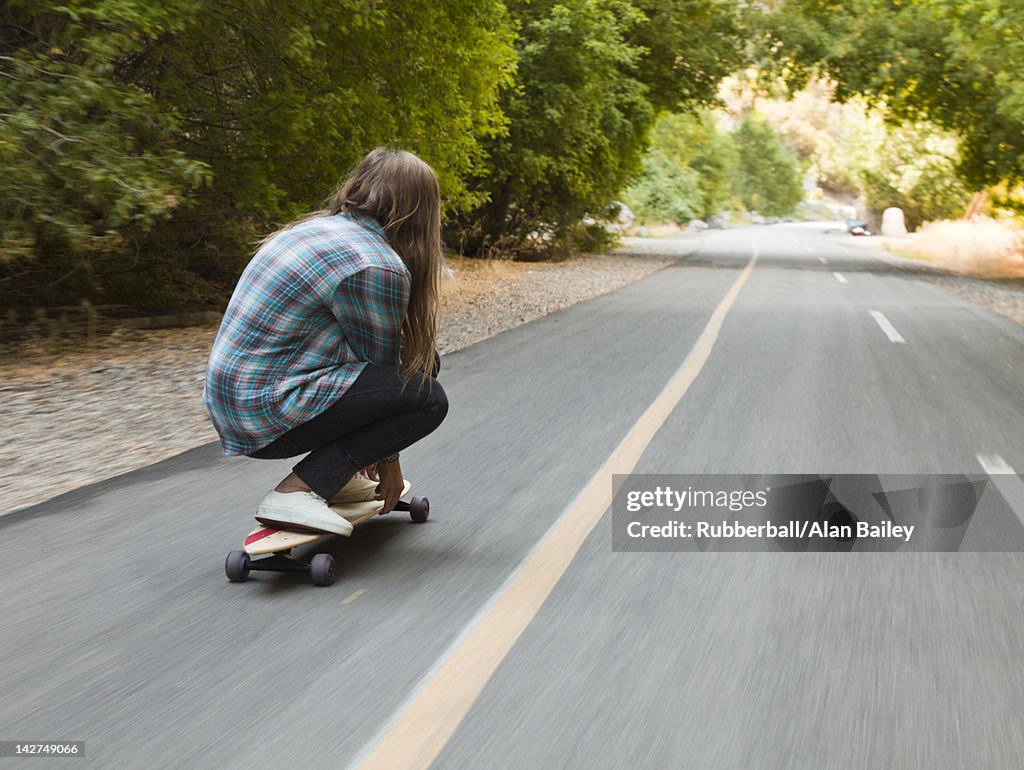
(505, 632)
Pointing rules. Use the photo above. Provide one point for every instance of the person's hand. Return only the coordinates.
(391, 485)
(370, 471)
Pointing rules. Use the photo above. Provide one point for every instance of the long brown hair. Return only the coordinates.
(401, 192)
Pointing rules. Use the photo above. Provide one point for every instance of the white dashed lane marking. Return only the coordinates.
(887, 327)
(1006, 481)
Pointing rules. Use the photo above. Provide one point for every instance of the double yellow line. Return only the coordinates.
(437, 708)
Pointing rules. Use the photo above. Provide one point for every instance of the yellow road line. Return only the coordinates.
(432, 714)
(353, 596)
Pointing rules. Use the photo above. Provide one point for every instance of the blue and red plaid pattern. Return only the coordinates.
(314, 306)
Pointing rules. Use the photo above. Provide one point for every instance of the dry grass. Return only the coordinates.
(982, 248)
(468, 277)
(491, 269)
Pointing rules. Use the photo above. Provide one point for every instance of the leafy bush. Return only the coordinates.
(768, 178)
(592, 75)
(687, 173)
(140, 140)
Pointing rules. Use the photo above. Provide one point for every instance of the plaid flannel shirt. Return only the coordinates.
(314, 306)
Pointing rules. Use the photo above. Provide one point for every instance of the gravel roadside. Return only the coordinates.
(1003, 295)
(133, 399)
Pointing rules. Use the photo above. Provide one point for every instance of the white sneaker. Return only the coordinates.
(300, 510)
(359, 489)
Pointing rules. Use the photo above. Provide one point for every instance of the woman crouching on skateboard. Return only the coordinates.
(328, 345)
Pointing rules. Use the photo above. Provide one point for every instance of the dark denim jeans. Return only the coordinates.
(375, 418)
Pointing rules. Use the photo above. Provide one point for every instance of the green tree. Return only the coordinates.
(914, 168)
(229, 117)
(592, 75)
(89, 159)
(687, 172)
(691, 46)
(853, 151)
(667, 191)
(577, 124)
(958, 64)
(768, 178)
(281, 98)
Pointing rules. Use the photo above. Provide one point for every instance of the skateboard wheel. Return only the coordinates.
(321, 569)
(236, 566)
(419, 509)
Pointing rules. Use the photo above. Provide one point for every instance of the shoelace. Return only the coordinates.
(315, 497)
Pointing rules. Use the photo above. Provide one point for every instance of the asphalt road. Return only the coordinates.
(120, 630)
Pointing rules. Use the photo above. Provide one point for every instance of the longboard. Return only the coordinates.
(278, 543)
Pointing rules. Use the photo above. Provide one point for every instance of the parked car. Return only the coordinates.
(857, 227)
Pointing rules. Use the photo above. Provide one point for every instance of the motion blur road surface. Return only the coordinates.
(119, 628)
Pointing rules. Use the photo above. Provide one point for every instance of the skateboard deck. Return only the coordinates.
(265, 539)
(278, 543)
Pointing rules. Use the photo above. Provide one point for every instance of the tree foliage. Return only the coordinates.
(576, 125)
(956, 63)
(146, 145)
(141, 137)
(915, 171)
(768, 178)
(911, 165)
(87, 156)
(857, 152)
(695, 169)
(687, 172)
(691, 46)
(592, 75)
(281, 98)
